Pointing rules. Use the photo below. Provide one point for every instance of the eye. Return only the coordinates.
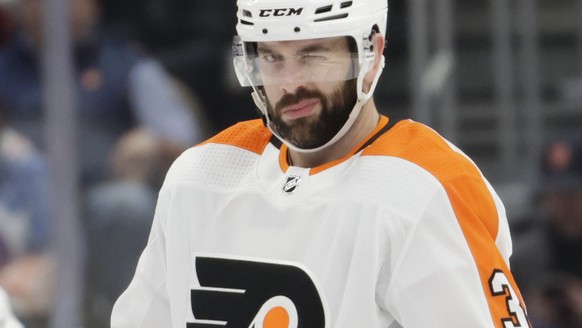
(314, 56)
(272, 58)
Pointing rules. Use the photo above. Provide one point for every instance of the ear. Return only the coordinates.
(379, 43)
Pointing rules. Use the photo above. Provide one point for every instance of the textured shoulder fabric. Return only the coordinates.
(250, 135)
(423, 146)
(225, 161)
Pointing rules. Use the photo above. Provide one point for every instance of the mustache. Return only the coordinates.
(294, 98)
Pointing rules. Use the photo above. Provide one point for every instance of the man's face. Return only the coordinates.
(309, 87)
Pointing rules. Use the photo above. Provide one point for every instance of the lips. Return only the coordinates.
(301, 109)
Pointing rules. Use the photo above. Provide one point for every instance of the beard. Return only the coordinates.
(314, 131)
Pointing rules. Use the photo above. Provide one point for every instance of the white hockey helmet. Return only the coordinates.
(287, 20)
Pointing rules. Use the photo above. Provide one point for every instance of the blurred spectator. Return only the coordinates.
(118, 90)
(117, 87)
(115, 211)
(548, 256)
(26, 268)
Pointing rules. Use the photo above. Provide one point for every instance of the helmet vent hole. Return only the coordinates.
(346, 4)
(247, 13)
(244, 22)
(329, 18)
(265, 31)
(297, 29)
(322, 10)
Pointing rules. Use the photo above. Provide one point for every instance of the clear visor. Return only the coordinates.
(275, 63)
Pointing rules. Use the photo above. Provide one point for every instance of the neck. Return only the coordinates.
(362, 127)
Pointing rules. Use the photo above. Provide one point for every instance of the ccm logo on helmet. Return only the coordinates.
(240, 293)
(280, 12)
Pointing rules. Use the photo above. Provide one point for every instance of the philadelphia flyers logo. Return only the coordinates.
(242, 293)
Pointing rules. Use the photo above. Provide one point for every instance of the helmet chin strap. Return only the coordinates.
(363, 98)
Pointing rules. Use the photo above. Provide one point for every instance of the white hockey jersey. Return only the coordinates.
(402, 232)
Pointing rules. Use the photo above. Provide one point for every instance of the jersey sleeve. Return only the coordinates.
(145, 304)
(451, 272)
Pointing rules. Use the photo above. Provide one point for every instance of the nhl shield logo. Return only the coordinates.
(291, 184)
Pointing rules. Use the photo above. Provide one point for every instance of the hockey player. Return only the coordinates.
(324, 213)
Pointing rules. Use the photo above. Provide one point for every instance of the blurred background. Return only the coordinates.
(98, 97)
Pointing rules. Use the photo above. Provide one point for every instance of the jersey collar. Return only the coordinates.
(380, 129)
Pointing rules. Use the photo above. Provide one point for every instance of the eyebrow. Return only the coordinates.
(307, 49)
(314, 48)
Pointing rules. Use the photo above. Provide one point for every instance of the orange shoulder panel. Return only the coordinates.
(469, 196)
(422, 146)
(250, 135)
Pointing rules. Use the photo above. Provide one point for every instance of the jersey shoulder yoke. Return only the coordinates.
(249, 135)
(419, 144)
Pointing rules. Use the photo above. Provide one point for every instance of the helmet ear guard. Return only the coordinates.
(368, 61)
(242, 66)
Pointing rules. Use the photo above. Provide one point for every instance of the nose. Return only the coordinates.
(293, 77)
(291, 87)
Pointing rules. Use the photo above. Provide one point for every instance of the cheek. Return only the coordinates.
(329, 87)
(329, 92)
(273, 94)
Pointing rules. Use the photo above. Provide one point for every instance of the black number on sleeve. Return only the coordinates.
(500, 286)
